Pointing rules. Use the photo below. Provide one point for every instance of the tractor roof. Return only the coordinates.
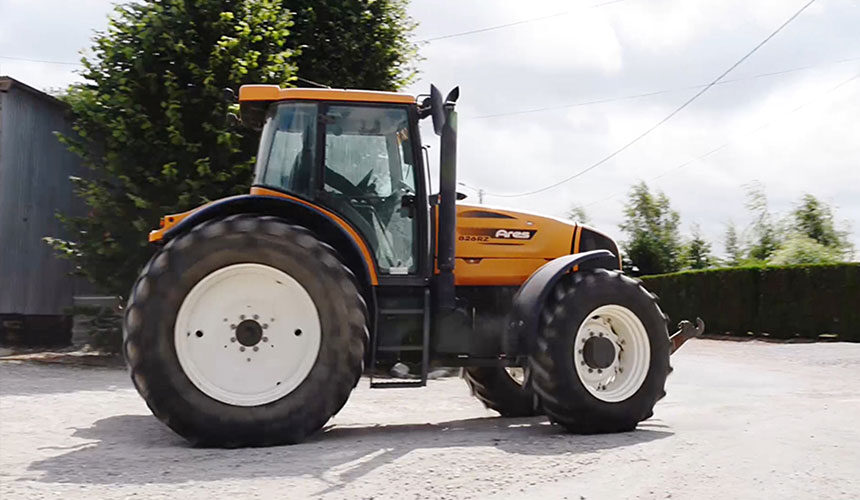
(275, 93)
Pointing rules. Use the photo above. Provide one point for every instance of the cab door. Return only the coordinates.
(370, 176)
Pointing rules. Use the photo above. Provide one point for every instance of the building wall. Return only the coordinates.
(34, 185)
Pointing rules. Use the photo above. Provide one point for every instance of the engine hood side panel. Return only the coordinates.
(490, 233)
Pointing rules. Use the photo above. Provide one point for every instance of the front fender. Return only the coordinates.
(532, 295)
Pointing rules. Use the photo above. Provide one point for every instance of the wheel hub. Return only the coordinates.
(598, 352)
(249, 332)
(612, 353)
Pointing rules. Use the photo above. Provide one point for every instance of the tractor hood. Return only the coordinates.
(487, 232)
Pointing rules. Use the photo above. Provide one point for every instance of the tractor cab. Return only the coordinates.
(360, 159)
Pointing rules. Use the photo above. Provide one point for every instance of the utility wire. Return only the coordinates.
(315, 84)
(591, 102)
(664, 120)
(727, 143)
(516, 23)
(40, 61)
(299, 78)
(656, 92)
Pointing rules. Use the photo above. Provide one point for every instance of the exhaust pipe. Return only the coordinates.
(445, 124)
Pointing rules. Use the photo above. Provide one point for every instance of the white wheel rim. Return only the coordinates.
(518, 374)
(632, 358)
(233, 370)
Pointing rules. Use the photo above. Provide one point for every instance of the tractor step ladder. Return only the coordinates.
(423, 348)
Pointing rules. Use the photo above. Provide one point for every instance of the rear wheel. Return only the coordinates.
(245, 331)
(502, 389)
(602, 354)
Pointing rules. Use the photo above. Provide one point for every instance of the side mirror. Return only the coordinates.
(437, 109)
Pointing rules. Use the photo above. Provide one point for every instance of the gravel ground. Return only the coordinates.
(741, 420)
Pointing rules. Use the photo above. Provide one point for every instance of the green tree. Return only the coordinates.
(696, 253)
(653, 241)
(150, 120)
(578, 214)
(734, 254)
(362, 44)
(765, 233)
(801, 249)
(814, 219)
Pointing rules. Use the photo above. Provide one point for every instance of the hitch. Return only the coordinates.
(685, 332)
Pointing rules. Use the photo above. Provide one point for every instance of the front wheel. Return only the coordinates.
(245, 331)
(602, 354)
(502, 389)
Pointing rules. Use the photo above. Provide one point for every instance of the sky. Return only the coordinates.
(787, 118)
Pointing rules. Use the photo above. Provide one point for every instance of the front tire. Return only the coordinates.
(245, 331)
(602, 353)
(502, 389)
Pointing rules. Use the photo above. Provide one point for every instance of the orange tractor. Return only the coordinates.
(259, 313)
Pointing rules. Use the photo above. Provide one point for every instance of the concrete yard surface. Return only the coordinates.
(741, 420)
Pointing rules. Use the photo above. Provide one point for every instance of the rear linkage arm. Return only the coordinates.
(685, 332)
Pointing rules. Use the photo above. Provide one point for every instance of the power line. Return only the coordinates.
(40, 61)
(311, 82)
(656, 92)
(727, 143)
(591, 102)
(315, 84)
(515, 23)
(665, 119)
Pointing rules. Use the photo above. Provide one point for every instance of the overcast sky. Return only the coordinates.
(794, 132)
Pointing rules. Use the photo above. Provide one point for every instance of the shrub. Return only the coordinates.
(776, 301)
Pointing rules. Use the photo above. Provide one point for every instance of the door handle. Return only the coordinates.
(407, 205)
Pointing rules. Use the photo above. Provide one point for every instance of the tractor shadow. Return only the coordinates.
(138, 449)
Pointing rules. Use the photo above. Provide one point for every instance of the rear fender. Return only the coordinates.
(352, 249)
(532, 295)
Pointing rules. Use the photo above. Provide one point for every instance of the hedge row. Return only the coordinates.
(776, 301)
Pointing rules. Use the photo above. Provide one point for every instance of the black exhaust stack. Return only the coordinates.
(445, 125)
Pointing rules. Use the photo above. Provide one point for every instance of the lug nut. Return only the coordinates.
(242, 349)
(232, 326)
(241, 316)
(256, 348)
(232, 339)
(265, 325)
(265, 339)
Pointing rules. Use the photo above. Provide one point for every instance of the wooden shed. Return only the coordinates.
(36, 290)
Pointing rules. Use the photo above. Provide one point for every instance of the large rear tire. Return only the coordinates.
(502, 389)
(602, 353)
(245, 331)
